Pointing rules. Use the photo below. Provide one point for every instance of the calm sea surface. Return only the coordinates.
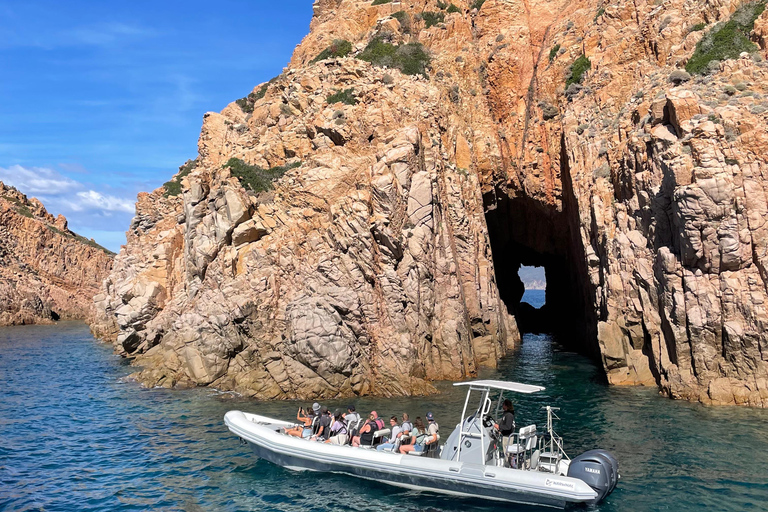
(76, 435)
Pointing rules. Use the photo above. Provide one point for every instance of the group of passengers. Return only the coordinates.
(318, 424)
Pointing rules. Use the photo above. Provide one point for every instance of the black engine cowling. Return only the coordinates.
(597, 468)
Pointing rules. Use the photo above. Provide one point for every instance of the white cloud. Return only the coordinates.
(37, 180)
(104, 34)
(87, 210)
(90, 199)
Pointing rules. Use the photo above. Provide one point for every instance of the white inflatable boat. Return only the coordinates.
(470, 463)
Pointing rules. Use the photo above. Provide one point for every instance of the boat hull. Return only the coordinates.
(412, 472)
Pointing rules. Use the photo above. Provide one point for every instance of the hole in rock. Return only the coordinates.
(531, 311)
(532, 241)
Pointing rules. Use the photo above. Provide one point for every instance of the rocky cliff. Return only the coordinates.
(421, 152)
(47, 272)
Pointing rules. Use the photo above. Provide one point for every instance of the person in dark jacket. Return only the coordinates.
(324, 425)
(506, 426)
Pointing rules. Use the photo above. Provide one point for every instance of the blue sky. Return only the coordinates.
(102, 100)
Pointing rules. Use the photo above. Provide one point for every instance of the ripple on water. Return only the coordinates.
(76, 434)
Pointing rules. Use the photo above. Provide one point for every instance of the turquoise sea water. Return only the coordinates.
(76, 435)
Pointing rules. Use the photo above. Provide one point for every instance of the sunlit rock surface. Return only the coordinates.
(47, 272)
(369, 268)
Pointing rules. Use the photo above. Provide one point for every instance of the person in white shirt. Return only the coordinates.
(351, 417)
(396, 430)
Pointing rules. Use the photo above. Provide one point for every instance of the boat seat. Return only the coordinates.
(377, 437)
(380, 434)
(523, 441)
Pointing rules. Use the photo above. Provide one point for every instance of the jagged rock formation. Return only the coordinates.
(372, 269)
(47, 272)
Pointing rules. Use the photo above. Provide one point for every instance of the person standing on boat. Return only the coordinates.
(507, 424)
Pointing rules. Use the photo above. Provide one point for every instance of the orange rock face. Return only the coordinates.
(47, 273)
(388, 257)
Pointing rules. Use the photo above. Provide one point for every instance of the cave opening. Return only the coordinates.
(534, 281)
(526, 232)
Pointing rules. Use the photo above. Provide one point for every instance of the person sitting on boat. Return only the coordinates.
(351, 417)
(305, 428)
(507, 424)
(338, 429)
(432, 428)
(418, 439)
(406, 426)
(323, 425)
(365, 435)
(379, 421)
(390, 443)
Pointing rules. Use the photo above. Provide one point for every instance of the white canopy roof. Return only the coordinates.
(500, 384)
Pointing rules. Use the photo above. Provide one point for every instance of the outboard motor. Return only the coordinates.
(597, 468)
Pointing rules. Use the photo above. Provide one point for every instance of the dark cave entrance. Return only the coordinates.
(527, 232)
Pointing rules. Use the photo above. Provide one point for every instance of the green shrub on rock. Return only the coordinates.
(404, 19)
(347, 96)
(255, 178)
(173, 187)
(578, 68)
(380, 2)
(410, 59)
(553, 52)
(726, 40)
(432, 18)
(599, 13)
(453, 8)
(337, 48)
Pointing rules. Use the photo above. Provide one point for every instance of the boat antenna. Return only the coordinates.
(550, 429)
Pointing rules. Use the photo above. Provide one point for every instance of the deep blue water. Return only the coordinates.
(76, 435)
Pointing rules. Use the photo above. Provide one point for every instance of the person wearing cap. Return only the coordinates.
(323, 425)
(432, 429)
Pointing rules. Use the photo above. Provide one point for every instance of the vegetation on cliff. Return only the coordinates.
(411, 58)
(553, 52)
(80, 238)
(337, 48)
(726, 40)
(20, 207)
(578, 68)
(255, 178)
(432, 18)
(346, 96)
(404, 19)
(173, 187)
